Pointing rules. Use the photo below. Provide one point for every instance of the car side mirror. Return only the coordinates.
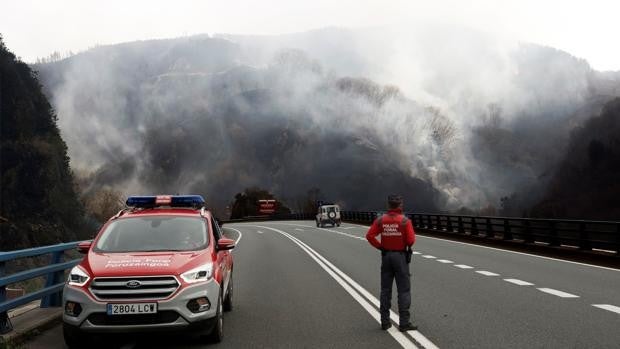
(84, 246)
(225, 244)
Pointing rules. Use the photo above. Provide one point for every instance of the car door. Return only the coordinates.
(224, 259)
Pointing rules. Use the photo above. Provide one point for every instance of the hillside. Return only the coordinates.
(38, 204)
(585, 185)
(448, 124)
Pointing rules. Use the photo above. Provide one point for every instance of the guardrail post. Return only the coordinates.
(5, 322)
(618, 240)
(527, 235)
(507, 232)
(584, 241)
(490, 233)
(461, 229)
(553, 241)
(438, 222)
(53, 300)
(449, 227)
(474, 226)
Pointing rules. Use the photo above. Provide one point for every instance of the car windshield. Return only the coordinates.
(150, 234)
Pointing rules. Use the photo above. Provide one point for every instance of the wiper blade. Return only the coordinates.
(166, 250)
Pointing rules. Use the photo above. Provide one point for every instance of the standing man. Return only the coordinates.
(397, 236)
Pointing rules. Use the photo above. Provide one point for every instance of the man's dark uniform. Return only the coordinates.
(397, 234)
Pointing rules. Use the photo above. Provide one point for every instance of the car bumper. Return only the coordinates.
(330, 220)
(172, 314)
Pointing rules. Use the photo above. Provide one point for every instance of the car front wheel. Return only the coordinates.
(217, 334)
(228, 301)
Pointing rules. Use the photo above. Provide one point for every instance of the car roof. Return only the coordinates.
(158, 211)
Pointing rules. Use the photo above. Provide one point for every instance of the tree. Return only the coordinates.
(37, 194)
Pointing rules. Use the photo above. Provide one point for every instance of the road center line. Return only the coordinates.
(558, 293)
(428, 256)
(444, 261)
(486, 273)
(403, 340)
(463, 266)
(519, 282)
(609, 307)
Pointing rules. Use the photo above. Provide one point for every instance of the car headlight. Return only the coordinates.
(78, 277)
(201, 273)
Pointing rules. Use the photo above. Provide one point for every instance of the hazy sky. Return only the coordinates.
(31, 29)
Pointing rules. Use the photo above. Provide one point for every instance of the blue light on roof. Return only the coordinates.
(166, 200)
(187, 200)
(141, 201)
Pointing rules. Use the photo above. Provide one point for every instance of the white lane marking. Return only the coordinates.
(345, 234)
(444, 261)
(463, 266)
(486, 273)
(558, 293)
(299, 229)
(419, 337)
(260, 232)
(415, 252)
(295, 225)
(502, 250)
(348, 228)
(519, 282)
(238, 232)
(428, 256)
(609, 307)
(336, 274)
(333, 231)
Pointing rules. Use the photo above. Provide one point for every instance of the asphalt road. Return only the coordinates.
(298, 286)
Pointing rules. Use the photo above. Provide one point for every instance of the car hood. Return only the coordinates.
(141, 263)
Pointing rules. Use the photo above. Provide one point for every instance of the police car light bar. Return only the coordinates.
(166, 200)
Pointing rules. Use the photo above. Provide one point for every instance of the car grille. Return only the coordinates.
(137, 287)
(163, 317)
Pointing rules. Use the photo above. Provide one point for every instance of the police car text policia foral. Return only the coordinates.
(161, 264)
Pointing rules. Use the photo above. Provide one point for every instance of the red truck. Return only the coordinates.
(162, 264)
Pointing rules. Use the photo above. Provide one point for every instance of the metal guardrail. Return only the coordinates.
(581, 235)
(50, 294)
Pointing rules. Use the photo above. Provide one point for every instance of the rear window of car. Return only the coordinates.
(152, 234)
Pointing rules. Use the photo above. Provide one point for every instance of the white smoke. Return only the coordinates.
(437, 86)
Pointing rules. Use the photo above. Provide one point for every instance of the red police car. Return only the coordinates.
(161, 264)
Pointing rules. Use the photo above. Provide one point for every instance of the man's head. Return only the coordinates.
(395, 201)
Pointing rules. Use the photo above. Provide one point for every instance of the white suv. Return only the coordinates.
(328, 214)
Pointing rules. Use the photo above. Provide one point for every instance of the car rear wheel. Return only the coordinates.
(74, 337)
(228, 305)
(217, 334)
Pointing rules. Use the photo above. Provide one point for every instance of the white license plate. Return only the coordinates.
(132, 308)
